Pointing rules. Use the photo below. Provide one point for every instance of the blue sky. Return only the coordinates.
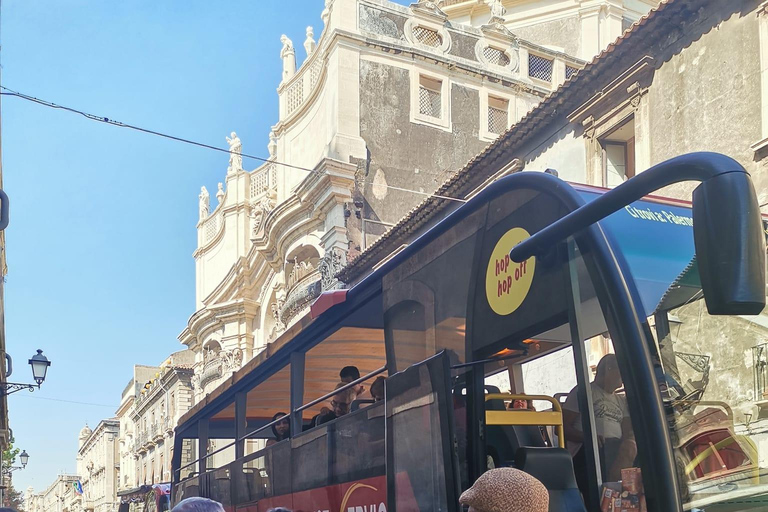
(101, 274)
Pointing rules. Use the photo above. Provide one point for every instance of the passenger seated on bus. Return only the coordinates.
(282, 429)
(340, 404)
(349, 374)
(615, 437)
(522, 404)
(377, 389)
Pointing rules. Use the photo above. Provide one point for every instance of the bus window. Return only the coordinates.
(425, 300)
(713, 386)
(262, 403)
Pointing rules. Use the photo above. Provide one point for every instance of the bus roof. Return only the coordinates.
(653, 235)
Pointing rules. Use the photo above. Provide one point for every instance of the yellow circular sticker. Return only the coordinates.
(507, 283)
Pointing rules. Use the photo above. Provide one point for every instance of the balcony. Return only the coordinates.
(300, 296)
(156, 433)
(212, 371)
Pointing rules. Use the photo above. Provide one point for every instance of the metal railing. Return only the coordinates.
(278, 420)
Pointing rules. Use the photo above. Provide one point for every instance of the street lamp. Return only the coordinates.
(39, 364)
(23, 458)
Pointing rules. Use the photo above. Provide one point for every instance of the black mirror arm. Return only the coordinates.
(691, 167)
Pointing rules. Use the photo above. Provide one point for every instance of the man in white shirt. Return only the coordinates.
(614, 427)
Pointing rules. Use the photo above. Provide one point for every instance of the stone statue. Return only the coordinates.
(326, 15)
(220, 193)
(288, 54)
(205, 200)
(272, 145)
(497, 10)
(310, 44)
(235, 153)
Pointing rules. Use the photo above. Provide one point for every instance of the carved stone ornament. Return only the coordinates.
(309, 43)
(497, 11)
(220, 193)
(272, 146)
(235, 153)
(326, 15)
(204, 202)
(330, 265)
(232, 359)
(429, 9)
(260, 210)
(257, 219)
(288, 54)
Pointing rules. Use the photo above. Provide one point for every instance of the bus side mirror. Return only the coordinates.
(730, 248)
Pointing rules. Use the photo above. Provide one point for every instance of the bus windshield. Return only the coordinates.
(715, 371)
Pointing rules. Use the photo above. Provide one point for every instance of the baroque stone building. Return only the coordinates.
(388, 103)
(152, 402)
(57, 497)
(99, 465)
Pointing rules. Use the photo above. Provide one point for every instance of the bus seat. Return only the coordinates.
(503, 441)
(554, 468)
(529, 435)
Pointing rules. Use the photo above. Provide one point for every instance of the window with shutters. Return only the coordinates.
(540, 67)
(498, 115)
(427, 37)
(430, 97)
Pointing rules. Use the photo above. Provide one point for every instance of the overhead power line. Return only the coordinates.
(119, 124)
(67, 401)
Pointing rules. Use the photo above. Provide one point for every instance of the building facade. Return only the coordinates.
(657, 92)
(60, 496)
(152, 403)
(388, 103)
(582, 28)
(98, 464)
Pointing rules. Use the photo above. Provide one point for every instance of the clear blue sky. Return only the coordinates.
(102, 230)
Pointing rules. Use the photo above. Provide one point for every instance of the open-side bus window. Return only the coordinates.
(425, 299)
(422, 464)
(188, 478)
(713, 385)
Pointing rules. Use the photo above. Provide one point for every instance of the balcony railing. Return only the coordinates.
(211, 226)
(303, 293)
(263, 180)
(212, 370)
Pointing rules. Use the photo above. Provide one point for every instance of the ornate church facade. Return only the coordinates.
(387, 104)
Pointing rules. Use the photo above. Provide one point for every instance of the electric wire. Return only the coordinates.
(119, 124)
(66, 401)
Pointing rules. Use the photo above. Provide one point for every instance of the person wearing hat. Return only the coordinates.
(506, 490)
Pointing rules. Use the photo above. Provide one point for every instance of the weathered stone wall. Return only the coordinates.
(707, 96)
(382, 22)
(425, 156)
(564, 33)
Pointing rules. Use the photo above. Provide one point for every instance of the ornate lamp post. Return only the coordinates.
(39, 364)
(23, 458)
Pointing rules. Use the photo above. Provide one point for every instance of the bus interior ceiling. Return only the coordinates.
(348, 346)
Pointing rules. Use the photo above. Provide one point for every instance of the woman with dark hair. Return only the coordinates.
(281, 429)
